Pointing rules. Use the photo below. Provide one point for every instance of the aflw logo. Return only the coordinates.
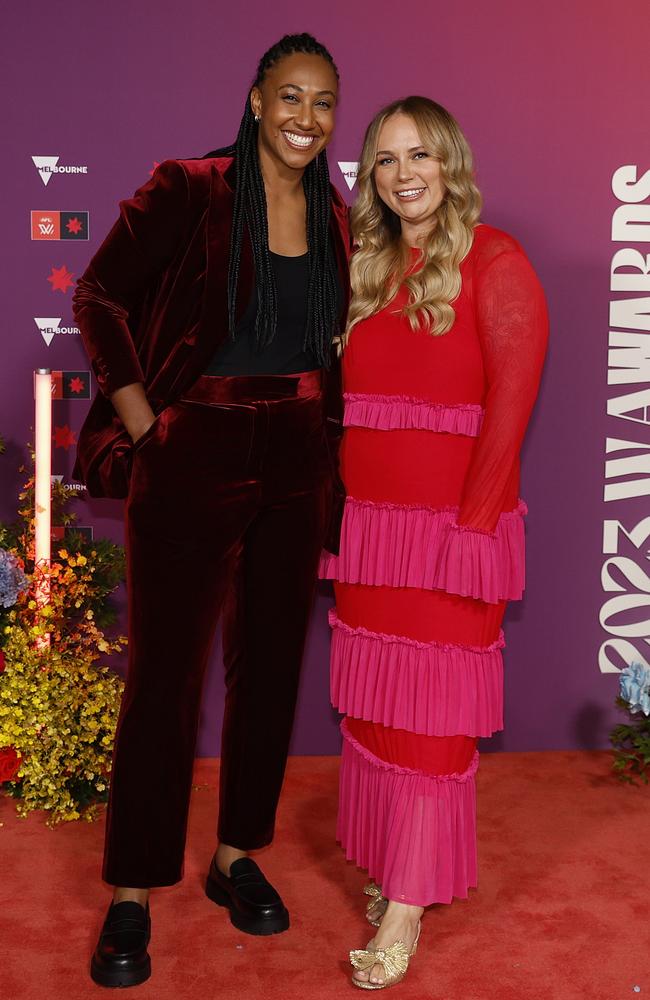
(350, 170)
(48, 165)
(59, 225)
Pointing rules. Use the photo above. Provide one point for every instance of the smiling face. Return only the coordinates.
(296, 104)
(407, 176)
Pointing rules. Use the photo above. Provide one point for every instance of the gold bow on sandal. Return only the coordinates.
(377, 901)
(395, 961)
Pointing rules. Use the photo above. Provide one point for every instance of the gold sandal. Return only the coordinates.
(394, 959)
(373, 890)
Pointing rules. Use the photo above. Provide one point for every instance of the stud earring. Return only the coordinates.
(258, 118)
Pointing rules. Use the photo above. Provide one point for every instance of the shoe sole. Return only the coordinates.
(259, 926)
(117, 978)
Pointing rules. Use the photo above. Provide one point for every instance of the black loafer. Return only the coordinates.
(121, 957)
(255, 906)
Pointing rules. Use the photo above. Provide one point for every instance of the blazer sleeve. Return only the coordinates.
(140, 245)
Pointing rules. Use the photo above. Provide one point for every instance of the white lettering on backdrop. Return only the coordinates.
(626, 615)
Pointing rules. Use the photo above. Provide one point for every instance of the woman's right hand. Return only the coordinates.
(135, 436)
(133, 409)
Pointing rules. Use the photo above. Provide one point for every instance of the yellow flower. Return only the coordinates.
(58, 709)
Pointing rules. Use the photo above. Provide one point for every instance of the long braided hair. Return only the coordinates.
(250, 210)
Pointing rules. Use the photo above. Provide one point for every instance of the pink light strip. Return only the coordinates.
(43, 484)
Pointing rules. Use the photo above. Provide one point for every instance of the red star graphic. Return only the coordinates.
(155, 167)
(61, 279)
(74, 226)
(64, 437)
(76, 384)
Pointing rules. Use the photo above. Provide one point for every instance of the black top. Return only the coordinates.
(285, 354)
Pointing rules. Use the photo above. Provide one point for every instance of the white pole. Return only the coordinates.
(43, 484)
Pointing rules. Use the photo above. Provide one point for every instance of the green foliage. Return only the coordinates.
(631, 742)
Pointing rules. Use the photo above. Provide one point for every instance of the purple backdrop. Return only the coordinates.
(553, 100)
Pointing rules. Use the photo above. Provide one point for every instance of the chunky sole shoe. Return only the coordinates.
(131, 975)
(275, 924)
(121, 957)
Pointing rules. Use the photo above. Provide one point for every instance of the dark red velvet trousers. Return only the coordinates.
(229, 496)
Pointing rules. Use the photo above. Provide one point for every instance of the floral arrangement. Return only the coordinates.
(631, 740)
(58, 706)
(12, 579)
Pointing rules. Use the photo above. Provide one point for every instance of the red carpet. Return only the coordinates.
(562, 909)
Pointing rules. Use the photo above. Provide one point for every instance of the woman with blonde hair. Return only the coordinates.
(442, 358)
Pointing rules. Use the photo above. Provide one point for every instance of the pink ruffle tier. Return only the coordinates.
(398, 545)
(388, 413)
(432, 688)
(414, 833)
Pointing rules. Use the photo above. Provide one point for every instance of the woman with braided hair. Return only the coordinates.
(208, 314)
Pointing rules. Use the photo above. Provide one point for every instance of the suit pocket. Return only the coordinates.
(148, 434)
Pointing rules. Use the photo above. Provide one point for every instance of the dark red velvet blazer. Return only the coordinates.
(152, 305)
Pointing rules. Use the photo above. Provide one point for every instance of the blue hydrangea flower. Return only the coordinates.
(12, 579)
(635, 687)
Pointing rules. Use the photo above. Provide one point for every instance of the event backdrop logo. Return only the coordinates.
(61, 279)
(59, 225)
(77, 487)
(71, 385)
(61, 532)
(50, 326)
(350, 170)
(625, 613)
(48, 165)
(64, 437)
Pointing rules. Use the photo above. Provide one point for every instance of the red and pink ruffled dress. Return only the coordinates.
(432, 548)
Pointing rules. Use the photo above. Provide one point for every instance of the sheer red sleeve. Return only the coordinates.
(513, 329)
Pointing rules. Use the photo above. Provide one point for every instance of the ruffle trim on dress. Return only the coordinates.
(429, 688)
(398, 769)
(399, 545)
(414, 833)
(389, 413)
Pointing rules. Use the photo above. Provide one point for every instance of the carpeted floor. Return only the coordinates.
(562, 911)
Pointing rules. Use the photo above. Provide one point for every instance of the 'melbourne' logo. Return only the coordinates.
(48, 165)
(349, 169)
(59, 225)
(49, 327)
(58, 479)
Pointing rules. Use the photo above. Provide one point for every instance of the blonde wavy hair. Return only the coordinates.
(378, 267)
